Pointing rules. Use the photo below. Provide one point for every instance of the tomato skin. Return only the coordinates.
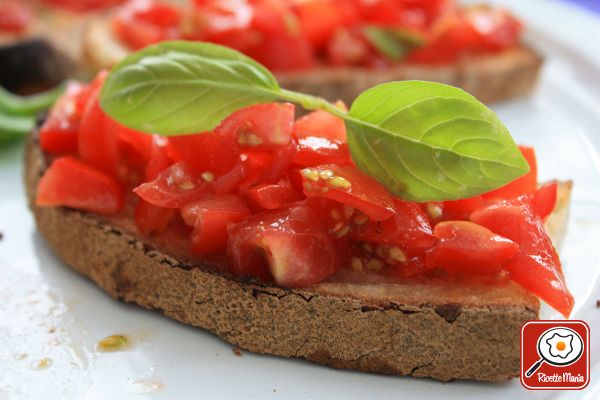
(270, 196)
(98, 134)
(174, 187)
(15, 17)
(140, 23)
(536, 266)
(58, 135)
(210, 218)
(543, 201)
(313, 151)
(408, 229)
(150, 218)
(321, 124)
(219, 152)
(465, 247)
(524, 184)
(265, 125)
(69, 182)
(293, 245)
(318, 20)
(82, 6)
(349, 186)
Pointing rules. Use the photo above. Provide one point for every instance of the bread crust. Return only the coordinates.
(489, 77)
(443, 332)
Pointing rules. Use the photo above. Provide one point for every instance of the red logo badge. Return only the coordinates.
(555, 355)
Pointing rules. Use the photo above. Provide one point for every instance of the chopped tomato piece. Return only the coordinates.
(83, 5)
(525, 184)
(496, 28)
(318, 20)
(140, 23)
(69, 182)
(543, 201)
(409, 229)
(207, 152)
(15, 16)
(175, 187)
(347, 47)
(321, 124)
(98, 134)
(270, 196)
(58, 135)
(210, 218)
(465, 247)
(268, 124)
(349, 186)
(536, 265)
(313, 151)
(150, 218)
(293, 246)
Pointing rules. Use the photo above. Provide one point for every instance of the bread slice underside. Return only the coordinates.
(437, 330)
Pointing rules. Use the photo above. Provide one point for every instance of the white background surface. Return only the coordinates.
(47, 310)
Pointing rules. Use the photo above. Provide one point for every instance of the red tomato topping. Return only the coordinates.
(83, 5)
(409, 229)
(15, 16)
(150, 218)
(175, 187)
(218, 151)
(543, 201)
(319, 19)
(210, 218)
(536, 265)
(268, 124)
(140, 23)
(58, 135)
(465, 247)
(349, 186)
(69, 182)
(525, 184)
(270, 196)
(321, 124)
(293, 245)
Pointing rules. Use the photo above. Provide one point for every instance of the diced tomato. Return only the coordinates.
(267, 124)
(15, 16)
(460, 209)
(536, 265)
(210, 218)
(140, 23)
(525, 184)
(496, 28)
(349, 186)
(58, 135)
(293, 245)
(150, 218)
(543, 201)
(321, 124)
(347, 47)
(175, 187)
(467, 248)
(318, 20)
(98, 134)
(270, 196)
(409, 229)
(69, 182)
(211, 152)
(313, 151)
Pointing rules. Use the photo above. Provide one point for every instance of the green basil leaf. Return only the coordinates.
(183, 87)
(431, 142)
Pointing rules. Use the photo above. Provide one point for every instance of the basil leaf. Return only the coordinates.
(393, 43)
(183, 87)
(431, 142)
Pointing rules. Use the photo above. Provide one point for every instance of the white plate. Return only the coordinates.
(47, 310)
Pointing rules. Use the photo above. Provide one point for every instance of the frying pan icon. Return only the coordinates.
(558, 347)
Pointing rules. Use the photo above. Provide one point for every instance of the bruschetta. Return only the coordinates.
(265, 231)
(337, 49)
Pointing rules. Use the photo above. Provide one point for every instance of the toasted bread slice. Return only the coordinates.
(437, 330)
(490, 77)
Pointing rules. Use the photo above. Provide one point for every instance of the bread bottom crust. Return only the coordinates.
(401, 329)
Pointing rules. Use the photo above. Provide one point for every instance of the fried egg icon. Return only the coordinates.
(560, 346)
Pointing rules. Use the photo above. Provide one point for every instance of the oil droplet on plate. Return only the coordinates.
(144, 386)
(113, 343)
(42, 363)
